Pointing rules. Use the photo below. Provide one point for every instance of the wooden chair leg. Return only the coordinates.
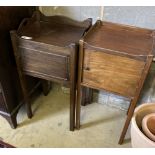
(87, 96)
(46, 86)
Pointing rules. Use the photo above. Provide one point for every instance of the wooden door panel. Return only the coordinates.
(111, 72)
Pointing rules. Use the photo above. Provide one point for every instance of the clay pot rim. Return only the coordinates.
(134, 124)
(144, 122)
(142, 106)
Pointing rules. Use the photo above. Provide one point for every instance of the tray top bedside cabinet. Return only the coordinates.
(115, 58)
(47, 47)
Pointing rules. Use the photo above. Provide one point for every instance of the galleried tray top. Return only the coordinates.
(55, 30)
(121, 38)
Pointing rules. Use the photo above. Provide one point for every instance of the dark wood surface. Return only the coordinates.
(5, 145)
(58, 30)
(115, 58)
(10, 90)
(50, 54)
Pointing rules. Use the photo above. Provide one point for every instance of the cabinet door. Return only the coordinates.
(113, 73)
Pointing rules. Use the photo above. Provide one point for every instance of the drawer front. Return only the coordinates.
(112, 73)
(45, 64)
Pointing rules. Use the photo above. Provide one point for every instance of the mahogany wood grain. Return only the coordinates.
(115, 58)
(101, 71)
(126, 39)
(56, 65)
(51, 53)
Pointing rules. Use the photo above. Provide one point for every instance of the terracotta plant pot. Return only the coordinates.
(148, 126)
(138, 138)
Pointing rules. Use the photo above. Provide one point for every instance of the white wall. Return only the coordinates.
(75, 12)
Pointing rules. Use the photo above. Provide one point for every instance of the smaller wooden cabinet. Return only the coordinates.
(47, 48)
(115, 58)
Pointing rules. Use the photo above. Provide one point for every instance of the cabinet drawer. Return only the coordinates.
(45, 63)
(111, 72)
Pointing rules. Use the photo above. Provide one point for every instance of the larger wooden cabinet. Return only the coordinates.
(10, 90)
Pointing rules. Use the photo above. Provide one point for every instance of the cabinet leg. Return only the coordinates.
(87, 96)
(46, 86)
(73, 82)
(128, 108)
(72, 106)
(29, 110)
(78, 106)
(129, 116)
(26, 97)
(11, 120)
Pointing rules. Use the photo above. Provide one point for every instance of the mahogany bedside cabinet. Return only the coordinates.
(47, 47)
(115, 58)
